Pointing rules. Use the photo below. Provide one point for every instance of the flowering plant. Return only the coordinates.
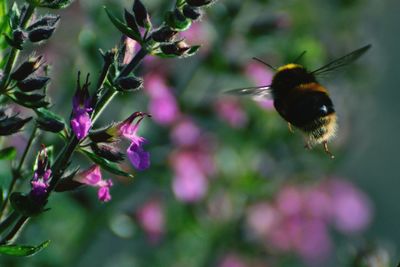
(24, 85)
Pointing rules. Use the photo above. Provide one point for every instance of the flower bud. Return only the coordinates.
(48, 20)
(17, 40)
(108, 152)
(191, 12)
(178, 48)
(11, 124)
(40, 34)
(141, 15)
(130, 83)
(164, 34)
(32, 84)
(26, 68)
(49, 121)
(198, 3)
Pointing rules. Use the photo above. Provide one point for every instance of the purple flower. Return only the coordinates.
(93, 177)
(81, 110)
(139, 158)
(185, 132)
(41, 176)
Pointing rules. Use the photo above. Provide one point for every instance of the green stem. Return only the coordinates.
(111, 93)
(9, 221)
(15, 230)
(14, 53)
(17, 171)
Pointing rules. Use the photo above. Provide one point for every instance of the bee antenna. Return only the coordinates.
(265, 63)
(300, 56)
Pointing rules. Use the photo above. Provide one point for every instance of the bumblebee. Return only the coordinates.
(301, 100)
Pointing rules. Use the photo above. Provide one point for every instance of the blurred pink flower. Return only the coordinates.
(190, 183)
(185, 133)
(262, 218)
(198, 34)
(260, 75)
(351, 207)
(232, 260)
(289, 200)
(298, 218)
(230, 110)
(131, 47)
(162, 105)
(151, 218)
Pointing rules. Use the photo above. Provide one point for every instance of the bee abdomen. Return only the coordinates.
(321, 129)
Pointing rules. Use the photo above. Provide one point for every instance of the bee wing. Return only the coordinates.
(258, 92)
(343, 61)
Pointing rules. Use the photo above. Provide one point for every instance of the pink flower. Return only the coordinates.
(93, 177)
(230, 110)
(163, 105)
(164, 109)
(262, 218)
(185, 133)
(151, 218)
(190, 188)
(41, 176)
(351, 208)
(232, 261)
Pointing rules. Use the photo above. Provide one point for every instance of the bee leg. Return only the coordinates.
(290, 127)
(325, 144)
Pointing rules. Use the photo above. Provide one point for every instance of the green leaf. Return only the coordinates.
(55, 4)
(107, 165)
(176, 24)
(29, 100)
(8, 153)
(22, 251)
(49, 121)
(3, 23)
(123, 28)
(192, 51)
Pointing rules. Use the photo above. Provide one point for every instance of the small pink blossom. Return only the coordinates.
(351, 208)
(185, 133)
(232, 261)
(230, 110)
(151, 218)
(92, 177)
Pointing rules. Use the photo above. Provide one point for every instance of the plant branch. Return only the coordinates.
(17, 171)
(14, 53)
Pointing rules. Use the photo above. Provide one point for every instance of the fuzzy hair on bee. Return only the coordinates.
(301, 100)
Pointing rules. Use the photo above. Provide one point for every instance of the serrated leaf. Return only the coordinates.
(123, 28)
(107, 165)
(21, 250)
(8, 153)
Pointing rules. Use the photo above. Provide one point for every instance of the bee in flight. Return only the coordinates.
(301, 100)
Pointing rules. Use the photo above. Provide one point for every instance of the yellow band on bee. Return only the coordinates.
(315, 87)
(289, 66)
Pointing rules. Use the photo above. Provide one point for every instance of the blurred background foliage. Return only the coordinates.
(229, 185)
